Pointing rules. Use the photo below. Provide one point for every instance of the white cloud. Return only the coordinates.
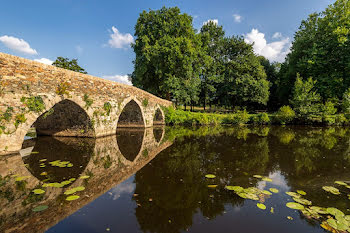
(17, 44)
(119, 78)
(127, 187)
(277, 35)
(237, 18)
(119, 40)
(274, 51)
(79, 49)
(44, 60)
(215, 21)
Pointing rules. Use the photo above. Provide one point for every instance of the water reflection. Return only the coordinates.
(170, 193)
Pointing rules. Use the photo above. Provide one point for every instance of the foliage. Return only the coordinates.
(107, 107)
(346, 101)
(67, 64)
(305, 101)
(34, 103)
(145, 103)
(321, 49)
(88, 101)
(19, 119)
(260, 119)
(285, 115)
(62, 88)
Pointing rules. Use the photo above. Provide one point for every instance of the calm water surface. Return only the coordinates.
(154, 180)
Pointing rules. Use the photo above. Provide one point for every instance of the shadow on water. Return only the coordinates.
(170, 193)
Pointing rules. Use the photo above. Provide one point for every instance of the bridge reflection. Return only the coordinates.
(107, 161)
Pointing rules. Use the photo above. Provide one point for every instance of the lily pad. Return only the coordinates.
(38, 191)
(74, 190)
(341, 183)
(43, 174)
(42, 160)
(294, 205)
(293, 194)
(302, 201)
(20, 178)
(84, 177)
(274, 190)
(331, 189)
(301, 192)
(258, 176)
(72, 198)
(40, 208)
(267, 179)
(210, 176)
(266, 192)
(319, 210)
(335, 212)
(261, 206)
(234, 188)
(212, 185)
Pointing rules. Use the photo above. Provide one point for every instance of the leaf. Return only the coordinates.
(40, 208)
(258, 176)
(341, 183)
(266, 192)
(38, 191)
(331, 189)
(293, 194)
(261, 206)
(234, 188)
(301, 192)
(289, 217)
(267, 179)
(212, 185)
(84, 177)
(335, 212)
(274, 190)
(272, 210)
(43, 174)
(72, 198)
(319, 210)
(302, 201)
(294, 205)
(20, 178)
(210, 176)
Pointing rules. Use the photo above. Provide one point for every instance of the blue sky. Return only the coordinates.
(99, 33)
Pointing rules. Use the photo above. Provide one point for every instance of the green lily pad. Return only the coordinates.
(335, 212)
(72, 198)
(266, 192)
(319, 210)
(20, 178)
(274, 190)
(42, 160)
(258, 176)
(294, 205)
(261, 206)
(38, 191)
(341, 183)
(234, 188)
(301, 192)
(302, 201)
(210, 176)
(331, 189)
(43, 174)
(34, 152)
(40, 208)
(84, 177)
(74, 190)
(331, 222)
(212, 185)
(293, 194)
(266, 179)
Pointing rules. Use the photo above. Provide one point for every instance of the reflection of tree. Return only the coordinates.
(175, 180)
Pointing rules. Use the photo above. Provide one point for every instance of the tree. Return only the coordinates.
(65, 63)
(321, 49)
(212, 37)
(245, 80)
(306, 101)
(168, 55)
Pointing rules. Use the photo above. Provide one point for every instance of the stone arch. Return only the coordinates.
(132, 115)
(130, 142)
(66, 119)
(158, 118)
(158, 133)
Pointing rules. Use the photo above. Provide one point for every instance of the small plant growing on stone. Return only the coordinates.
(107, 107)
(19, 119)
(7, 115)
(145, 102)
(88, 101)
(34, 103)
(48, 113)
(62, 89)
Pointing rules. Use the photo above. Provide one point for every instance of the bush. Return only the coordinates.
(260, 119)
(238, 118)
(285, 115)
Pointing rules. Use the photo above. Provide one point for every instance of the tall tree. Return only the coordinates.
(167, 53)
(65, 63)
(321, 49)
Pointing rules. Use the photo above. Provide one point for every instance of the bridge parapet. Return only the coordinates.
(61, 102)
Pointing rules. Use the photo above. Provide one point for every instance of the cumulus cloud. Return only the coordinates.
(119, 78)
(215, 21)
(274, 51)
(277, 35)
(127, 187)
(17, 44)
(237, 18)
(119, 40)
(44, 60)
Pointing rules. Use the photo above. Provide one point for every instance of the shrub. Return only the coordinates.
(340, 119)
(34, 103)
(285, 115)
(88, 101)
(260, 119)
(238, 118)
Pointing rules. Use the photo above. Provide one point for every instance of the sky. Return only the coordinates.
(99, 32)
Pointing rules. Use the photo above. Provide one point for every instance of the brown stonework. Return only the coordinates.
(84, 105)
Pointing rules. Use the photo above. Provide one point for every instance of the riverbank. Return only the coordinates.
(283, 116)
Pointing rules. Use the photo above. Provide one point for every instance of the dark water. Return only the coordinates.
(154, 180)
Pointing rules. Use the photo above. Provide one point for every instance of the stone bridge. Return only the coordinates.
(61, 102)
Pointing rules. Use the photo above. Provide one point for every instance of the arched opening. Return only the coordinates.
(65, 119)
(158, 118)
(130, 142)
(131, 116)
(44, 152)
(158, 133)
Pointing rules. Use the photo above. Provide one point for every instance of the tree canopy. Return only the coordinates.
(65, 63)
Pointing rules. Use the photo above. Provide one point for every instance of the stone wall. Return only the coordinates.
(29, 90)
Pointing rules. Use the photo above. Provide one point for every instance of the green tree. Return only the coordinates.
(168, 54)
(245, 80)
(321, 49)
(65, 63)
(306, 101)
